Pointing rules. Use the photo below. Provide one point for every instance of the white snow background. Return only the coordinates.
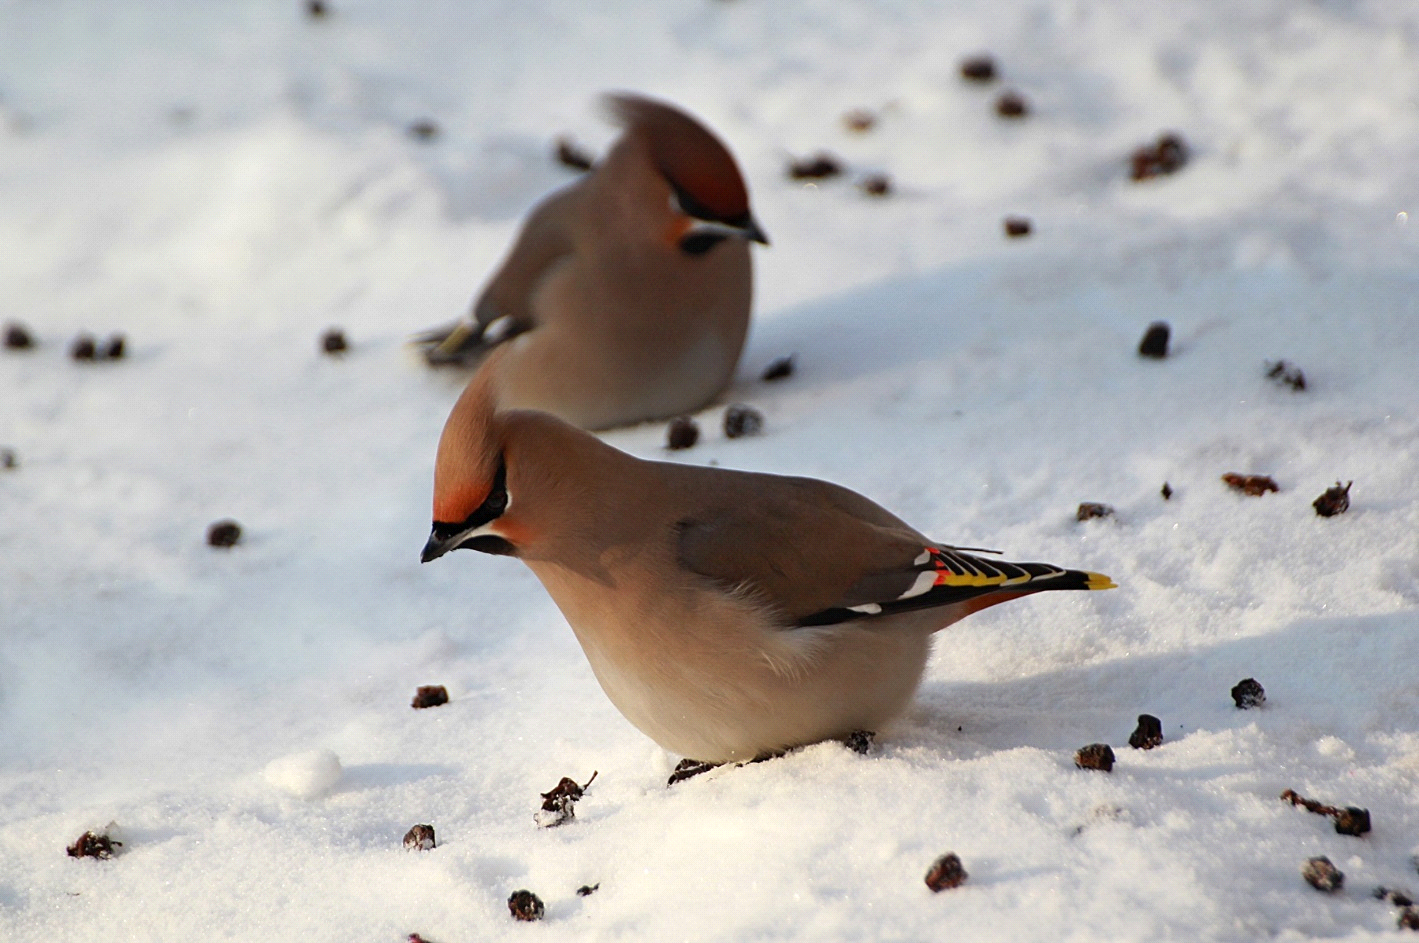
(221, 181)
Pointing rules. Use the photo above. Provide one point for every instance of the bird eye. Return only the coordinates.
(497, 502)
(698, 242)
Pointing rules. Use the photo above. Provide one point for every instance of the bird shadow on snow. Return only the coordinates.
(1323, 677)
(1025, 314)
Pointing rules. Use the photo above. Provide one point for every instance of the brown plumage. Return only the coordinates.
(626, 296)
(727, 614)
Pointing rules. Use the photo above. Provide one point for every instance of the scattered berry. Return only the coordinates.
(876, 185)
(741, 420)
(1394, 896)
(1408, 919)
(979, 68)
(569, 155)
(586, 890)
(1167, 155)
(83, 347)
(1352, 820)
(93, 845)
(1155, 341)
(1253, 485)
(682, 433)
(333, 341)
(429, 695)
(860, 741)
(114, 348)
(1098, 756)
(946, 872)
(1286, 374)
(525, 905)
(8, 459)
(559, 805)
(1167, 491)
(817, 167)
(1248, 693)
(859, 120)
(1335, 500)
(315, 9)
(778, 369)
(1017, 226)
(224, 533)
(1011, 105)
(1322, 875)
(425, 129)
(1088, 510)
(420, 838)
(1149, 733)
(17, 336)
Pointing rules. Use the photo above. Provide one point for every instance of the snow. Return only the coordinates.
(222, 182)
(305, 775)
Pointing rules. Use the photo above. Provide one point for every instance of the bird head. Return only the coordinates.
(707, 195)
(471, 498)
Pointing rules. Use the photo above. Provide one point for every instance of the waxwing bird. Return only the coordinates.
(727, 614)
(626, 295)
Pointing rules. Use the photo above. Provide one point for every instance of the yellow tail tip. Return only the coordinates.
(1100, 581)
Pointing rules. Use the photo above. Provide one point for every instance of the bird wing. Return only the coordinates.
(545, 241)
(822, 555)
(504, 308)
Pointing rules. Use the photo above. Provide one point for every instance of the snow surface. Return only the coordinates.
(223, 181)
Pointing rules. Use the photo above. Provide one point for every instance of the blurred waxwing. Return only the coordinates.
(727, 614)
(626, 295)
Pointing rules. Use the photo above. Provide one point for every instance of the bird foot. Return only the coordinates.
(689, 769)
(459, 342)
(860, 741)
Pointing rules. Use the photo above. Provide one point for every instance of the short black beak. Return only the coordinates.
(437, 547)
(754, 233)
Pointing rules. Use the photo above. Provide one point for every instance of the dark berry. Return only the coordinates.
(18, 337)
(978, 69)
(1286, 374)
(946, 872)
(1098, 756)
(83, 347)
(333, 341)
(1322, 875)
(114, 348)
(1011, 105)
(1253, 485)
(779, 369)
(1248, 693)
(816, 167)
(1335, 500)
(876, 185)
(425, 129)
(93, 845)
(859, 120)
(420, 838)
(1017, 226)
(740, 420)
(1089, 510)
(525, 905)
(429, 695)
(224, 533)
(1149, 733)
(682, 433)
(1155, 341)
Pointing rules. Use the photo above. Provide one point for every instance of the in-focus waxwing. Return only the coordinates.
(626, 296)
(727, 614)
